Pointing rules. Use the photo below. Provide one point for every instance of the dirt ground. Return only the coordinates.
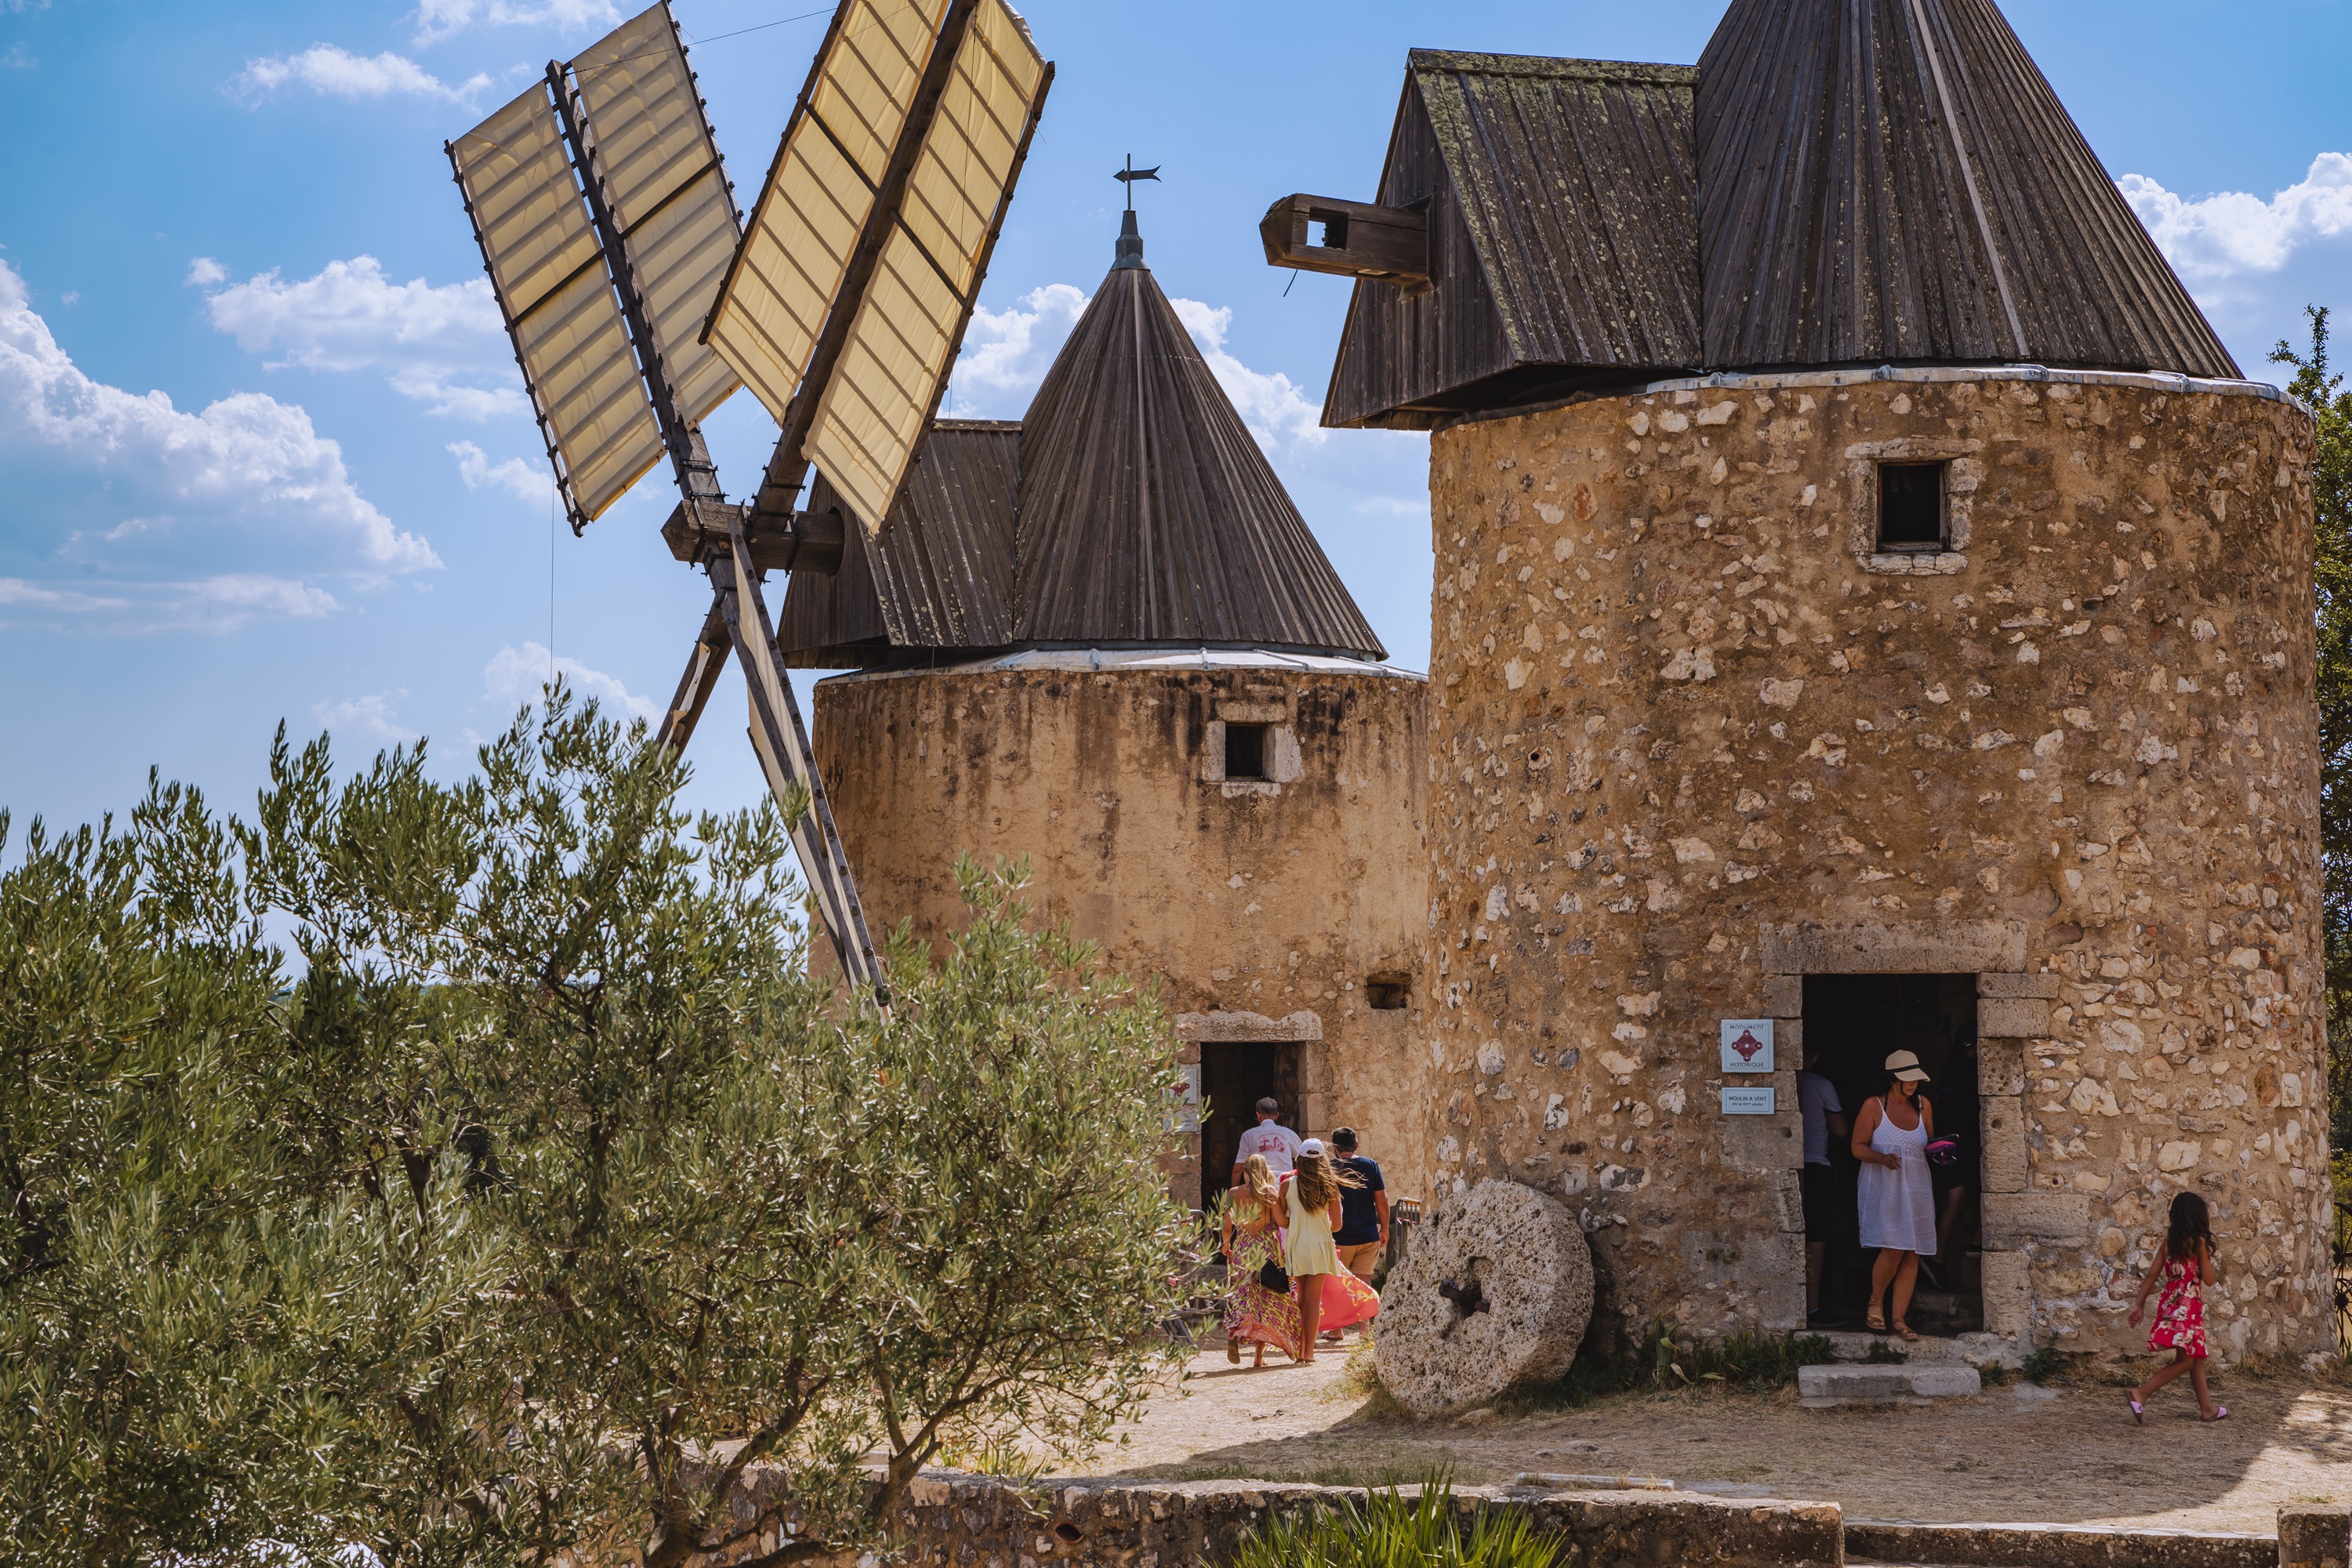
(2065, 1454)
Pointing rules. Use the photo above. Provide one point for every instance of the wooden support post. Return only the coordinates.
(782, 741)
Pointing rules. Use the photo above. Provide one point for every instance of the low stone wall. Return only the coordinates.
(970, 1523)
(2052, 1546)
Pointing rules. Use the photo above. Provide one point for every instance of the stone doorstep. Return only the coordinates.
(1844, 1383)
(1972, 1350)
(1894, 1540)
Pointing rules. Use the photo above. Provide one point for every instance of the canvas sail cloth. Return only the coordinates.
(876, 404)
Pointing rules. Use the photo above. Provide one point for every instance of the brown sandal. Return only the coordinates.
(1872, 1320)
(1904, 1331)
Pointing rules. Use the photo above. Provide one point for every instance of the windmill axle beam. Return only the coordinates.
(805, 542)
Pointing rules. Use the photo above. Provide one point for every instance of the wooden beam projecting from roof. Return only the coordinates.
(1359, 239)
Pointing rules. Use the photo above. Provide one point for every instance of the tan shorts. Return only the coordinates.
(1359, 1261)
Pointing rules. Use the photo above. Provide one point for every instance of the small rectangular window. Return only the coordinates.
(1388, 993)
(1910, 506)
(1245, 751)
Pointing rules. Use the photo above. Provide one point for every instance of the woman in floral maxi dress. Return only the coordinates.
(1253, 1239)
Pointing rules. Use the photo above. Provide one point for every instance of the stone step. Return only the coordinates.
(1844, 1383)
(1970, 1349)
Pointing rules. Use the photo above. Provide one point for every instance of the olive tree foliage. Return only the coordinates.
(170, 1289)
(2321, 389)
(556, 1207)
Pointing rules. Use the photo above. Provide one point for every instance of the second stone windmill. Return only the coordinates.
(638, 300)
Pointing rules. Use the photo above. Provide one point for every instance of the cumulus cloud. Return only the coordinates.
(2234, 232)
(1007, 352)
(1269, 403)
(518, 675)
(437, 20)
(332, 72)
(246, 459)
(371, 716)
(524, 480)
(444, 346)
(229, 600)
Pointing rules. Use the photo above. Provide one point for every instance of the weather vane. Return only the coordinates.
(1128, 175)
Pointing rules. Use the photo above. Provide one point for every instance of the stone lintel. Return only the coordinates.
(2045, 986)
(1784, 997)
(1220, 1029)
(2012, 1219)
(1923, 947)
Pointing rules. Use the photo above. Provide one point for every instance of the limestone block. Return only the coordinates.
(1789, 1201)
(1528, 1261)
(2000, 1067)
(1778, 1262)
(2045, 986)
(2011, 1018)
(2008, 1294)
(1763, 1142)
(1784, 997)
(2313, 1535)
(1921, 947)
(2000, 1122)
(2012, 1219)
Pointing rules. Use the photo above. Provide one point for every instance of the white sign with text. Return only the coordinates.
(1748, 1045)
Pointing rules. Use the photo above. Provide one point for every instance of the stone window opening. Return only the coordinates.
(1911, 511)
(1245, 751)
(1388, 991)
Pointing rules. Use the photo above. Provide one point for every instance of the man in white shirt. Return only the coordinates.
(1270, 1137)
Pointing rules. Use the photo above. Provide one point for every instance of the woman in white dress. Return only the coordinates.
(1898, 1196)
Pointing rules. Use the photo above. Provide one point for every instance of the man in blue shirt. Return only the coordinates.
(1363, 1209)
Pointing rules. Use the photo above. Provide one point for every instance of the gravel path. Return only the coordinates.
(2067, 1455)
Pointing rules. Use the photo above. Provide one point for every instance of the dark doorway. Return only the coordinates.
(1853, 1023)
(1233, 1078)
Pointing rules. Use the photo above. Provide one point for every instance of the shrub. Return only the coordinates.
(2045, 1361)
(1391, 1530)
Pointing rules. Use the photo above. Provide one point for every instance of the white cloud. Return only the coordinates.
(1269, 403)
(444, 346)
(526, 481)
(371, 716)
(2232, 232)
(225, 602)
(16, 591)
(518, 675)
(18, 58)
(335, 72)
(247, 457)
(1007, 352)
(437, 20)
(70, 297)
(1394, 506)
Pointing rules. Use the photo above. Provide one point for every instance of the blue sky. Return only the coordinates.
(263, 453)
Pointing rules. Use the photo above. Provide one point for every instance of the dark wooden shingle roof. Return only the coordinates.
(1837, 182)
(1131, 506)
(1894, 180)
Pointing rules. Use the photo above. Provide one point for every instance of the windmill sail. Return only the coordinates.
(876, 399)
(796, 249)
(667, 187)
(548, 272)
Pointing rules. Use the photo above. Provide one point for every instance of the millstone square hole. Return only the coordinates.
(1468, 1297)
(1245, 751)
(1911, 506)
(1388, 991)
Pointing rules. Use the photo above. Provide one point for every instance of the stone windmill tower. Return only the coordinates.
(1103, 637)
(1869, 599)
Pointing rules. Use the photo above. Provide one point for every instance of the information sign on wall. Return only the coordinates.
(1739, 1100)
(1748, 1045)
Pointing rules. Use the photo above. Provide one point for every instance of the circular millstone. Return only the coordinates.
(1496, 1290)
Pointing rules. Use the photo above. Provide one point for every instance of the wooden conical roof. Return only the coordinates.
(1894, 180)
(1147, 513)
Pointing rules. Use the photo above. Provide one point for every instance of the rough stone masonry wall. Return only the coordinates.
(1690, 739)
(1262, 907)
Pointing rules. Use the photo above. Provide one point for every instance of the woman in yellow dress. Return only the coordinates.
(1322, 1288)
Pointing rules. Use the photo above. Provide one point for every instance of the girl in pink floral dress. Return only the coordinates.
(2178, 1276)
